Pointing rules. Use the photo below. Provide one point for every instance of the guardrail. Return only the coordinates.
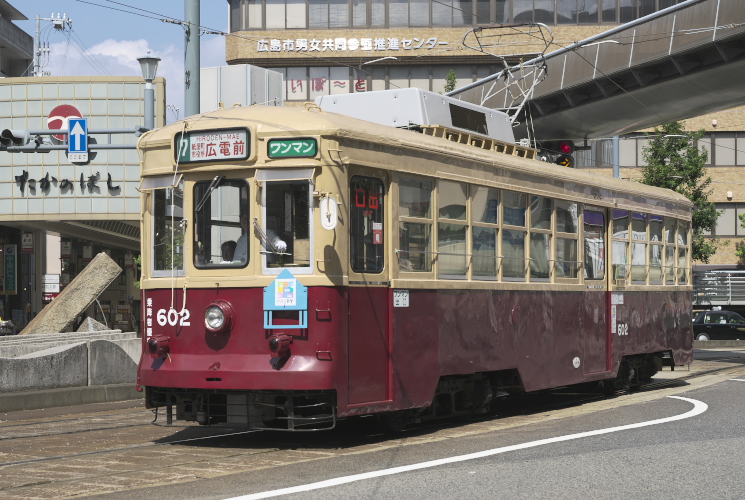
(713, 288)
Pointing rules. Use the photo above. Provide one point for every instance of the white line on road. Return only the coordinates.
(738, 379)
(698, 408)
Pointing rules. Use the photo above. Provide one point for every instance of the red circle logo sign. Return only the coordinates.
(58, 118)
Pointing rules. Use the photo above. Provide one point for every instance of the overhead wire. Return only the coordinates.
(175, 20)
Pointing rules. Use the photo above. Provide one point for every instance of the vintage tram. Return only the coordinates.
(301, 266)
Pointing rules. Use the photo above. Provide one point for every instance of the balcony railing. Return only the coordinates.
(719, 288)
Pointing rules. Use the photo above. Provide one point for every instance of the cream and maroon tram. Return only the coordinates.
(301, 266)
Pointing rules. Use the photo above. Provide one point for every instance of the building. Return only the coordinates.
(327, 47)
(16, 46)
(57, 214)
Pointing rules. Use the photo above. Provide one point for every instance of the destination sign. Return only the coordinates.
(213, 145)
(292, 148)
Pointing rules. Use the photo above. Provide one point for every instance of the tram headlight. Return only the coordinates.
(218, 316)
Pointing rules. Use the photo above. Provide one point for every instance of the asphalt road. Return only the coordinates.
(116, 453)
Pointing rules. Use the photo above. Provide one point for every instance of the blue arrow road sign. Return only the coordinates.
(77, 144)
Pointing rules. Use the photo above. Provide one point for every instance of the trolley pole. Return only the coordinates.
(191, 57)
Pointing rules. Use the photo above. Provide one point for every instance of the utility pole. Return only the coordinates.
(191, 57)
(60, 23)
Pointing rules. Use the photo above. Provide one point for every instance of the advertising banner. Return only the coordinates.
(27, 242)
(11, 262)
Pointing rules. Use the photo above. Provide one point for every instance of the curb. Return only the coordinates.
(68, 396)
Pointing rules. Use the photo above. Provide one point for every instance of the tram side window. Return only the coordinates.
(221, 223)
(656, 249)
(670, 229)
(485, 216)
(415, 226)
(638, 248)
(620, 243)
(541, 209)
(513, 240)
(168, 231)
(451, 230)
(567, 230)
(594, 233)
(366, 247)
(682, 252)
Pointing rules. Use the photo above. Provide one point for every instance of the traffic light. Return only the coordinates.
(559, 152)
(14, 137)
(566, 154)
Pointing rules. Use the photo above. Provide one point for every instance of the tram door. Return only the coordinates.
(368, 294)
(596, 312)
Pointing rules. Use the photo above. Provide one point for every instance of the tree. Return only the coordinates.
(673, 161)
(450, 81)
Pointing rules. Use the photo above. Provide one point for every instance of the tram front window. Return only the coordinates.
(286, 228)
(221, 223)
(168, 231)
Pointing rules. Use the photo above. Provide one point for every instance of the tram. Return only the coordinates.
(300, 266)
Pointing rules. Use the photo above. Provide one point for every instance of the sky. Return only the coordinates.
(107, 37)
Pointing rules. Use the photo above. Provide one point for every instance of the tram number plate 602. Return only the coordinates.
(400, 298)
(623, 329)
(173, 317)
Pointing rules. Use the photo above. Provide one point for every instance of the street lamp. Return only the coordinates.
(149, 66)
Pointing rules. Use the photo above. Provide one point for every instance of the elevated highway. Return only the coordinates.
(677, 63)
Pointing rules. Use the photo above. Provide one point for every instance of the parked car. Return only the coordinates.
(7, 327)
(719, 325)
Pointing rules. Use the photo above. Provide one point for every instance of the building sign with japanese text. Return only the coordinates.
(214, 145)
(349, 44)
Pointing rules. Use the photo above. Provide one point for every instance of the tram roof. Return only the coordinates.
(278, 121)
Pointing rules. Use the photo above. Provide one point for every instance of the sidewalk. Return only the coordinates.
(711, 359)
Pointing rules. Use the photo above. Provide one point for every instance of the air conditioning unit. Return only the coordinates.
(412, 108)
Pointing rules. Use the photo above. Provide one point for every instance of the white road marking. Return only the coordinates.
(738, 379)
(698, 408)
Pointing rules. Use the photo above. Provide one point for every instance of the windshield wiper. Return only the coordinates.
(213, 185)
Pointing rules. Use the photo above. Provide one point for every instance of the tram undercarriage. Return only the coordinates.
(455, 396)
(271, 410)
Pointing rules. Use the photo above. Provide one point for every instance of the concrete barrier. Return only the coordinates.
(65, 369)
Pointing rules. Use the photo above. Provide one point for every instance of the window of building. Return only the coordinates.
(324, 14)
(724, 149)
